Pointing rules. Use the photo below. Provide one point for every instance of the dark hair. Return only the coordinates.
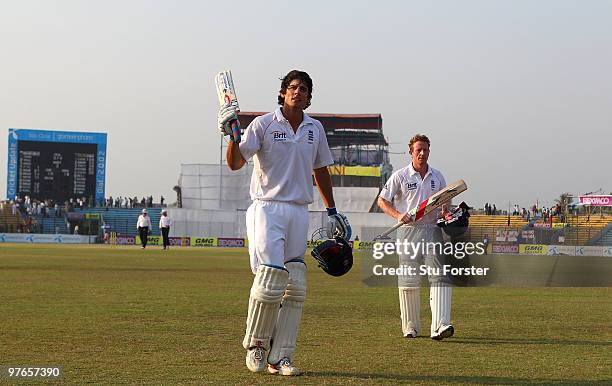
(292, 75)
(417, 138)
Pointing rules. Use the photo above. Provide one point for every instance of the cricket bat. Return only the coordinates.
(227, 95)
(432, 203)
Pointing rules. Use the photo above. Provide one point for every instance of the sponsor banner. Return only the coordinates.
(341, 170)
(533, 249)
(313, 243)
(596, 200)
(607, 251)
(528, 235)
(558, 225)
(179, 241)
(506, 235)
(45, 239)
(567, 250)
(363, 244)
(126, 240)
(589, 250)
(203, 242)
(151, 240)
(230, 242)
(504, 248)
(541, 225)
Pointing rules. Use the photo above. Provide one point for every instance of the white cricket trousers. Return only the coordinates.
(277, 232)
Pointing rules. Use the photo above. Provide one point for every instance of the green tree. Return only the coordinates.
(564, 200)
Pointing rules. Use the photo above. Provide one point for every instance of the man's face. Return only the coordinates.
(420, 153)
(296, 95)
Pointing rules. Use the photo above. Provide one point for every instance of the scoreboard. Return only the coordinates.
(56, 165)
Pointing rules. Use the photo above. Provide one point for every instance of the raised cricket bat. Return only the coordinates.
(227, 95)
(432, 203)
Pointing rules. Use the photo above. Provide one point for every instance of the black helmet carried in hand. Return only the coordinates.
(335, 256)
(458, 224)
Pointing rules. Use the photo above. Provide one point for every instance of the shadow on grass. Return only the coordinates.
(483, 380)
(494, 341)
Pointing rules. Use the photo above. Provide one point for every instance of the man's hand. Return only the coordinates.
(227, 113)
(338, 225)
(406, 218)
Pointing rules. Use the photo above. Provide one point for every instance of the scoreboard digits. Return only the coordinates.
(43, 166)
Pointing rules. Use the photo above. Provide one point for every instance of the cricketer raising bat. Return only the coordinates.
(227, 95)
(432, 203)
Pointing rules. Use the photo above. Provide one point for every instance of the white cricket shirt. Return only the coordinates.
(405, 189)
(284, 160)
(164, 221)
(143, 221)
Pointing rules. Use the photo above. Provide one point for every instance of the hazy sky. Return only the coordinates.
(516, 96)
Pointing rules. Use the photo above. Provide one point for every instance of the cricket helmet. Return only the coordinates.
(458, 224)
(335, 256)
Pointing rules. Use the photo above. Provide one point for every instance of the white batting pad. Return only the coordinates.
(410, 308)
(266, 294)
(287, 326)
(440, 296)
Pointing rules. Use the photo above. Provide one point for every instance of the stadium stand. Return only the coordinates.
(9, 222)
(50, 224)
(579, 230)
(588, 229)
(481, 225)
(121, 220)
(605, 237)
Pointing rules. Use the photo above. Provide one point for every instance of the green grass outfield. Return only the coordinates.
(126, 316)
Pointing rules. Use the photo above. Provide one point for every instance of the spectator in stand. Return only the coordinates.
(144, 227)
(161, 200)
(494, 210)
(164, 224)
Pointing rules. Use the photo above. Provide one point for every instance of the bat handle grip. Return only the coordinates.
(236, 136)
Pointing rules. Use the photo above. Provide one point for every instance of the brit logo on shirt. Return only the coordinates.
(433, 185)
(310, 136)
(279, 136)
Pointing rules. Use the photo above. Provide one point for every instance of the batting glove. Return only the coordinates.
(227, 114)
(338, 225)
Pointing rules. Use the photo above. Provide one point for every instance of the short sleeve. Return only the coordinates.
(324, 156)
(391, 188)
(251, 139)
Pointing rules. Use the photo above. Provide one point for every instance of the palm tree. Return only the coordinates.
(564, 200)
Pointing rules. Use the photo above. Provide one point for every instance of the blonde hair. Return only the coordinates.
(417, 138)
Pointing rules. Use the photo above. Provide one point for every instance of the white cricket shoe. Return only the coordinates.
(444, 331)
(256, 359)
(284, 367)
(412, 333)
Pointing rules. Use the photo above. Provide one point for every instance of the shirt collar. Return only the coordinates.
(412, 172)
(278, 114)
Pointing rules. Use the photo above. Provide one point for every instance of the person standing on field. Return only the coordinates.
(164, 225)
(144, 227)
(287, 147)
(405, 189)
